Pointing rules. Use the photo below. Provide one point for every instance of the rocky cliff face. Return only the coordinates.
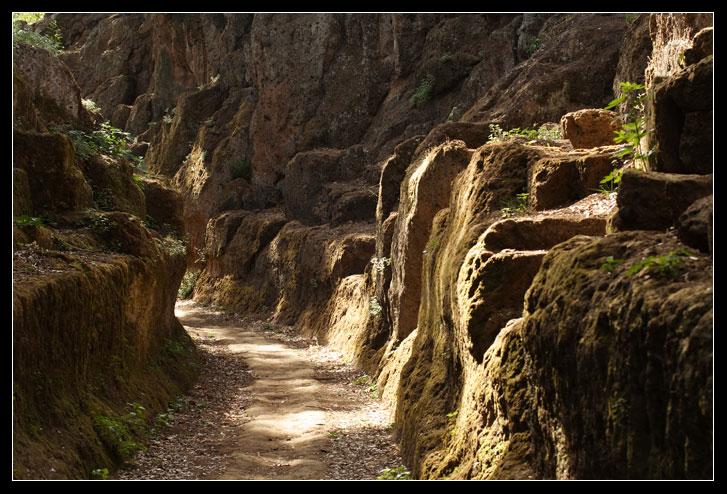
(354, 175)
(94, 287)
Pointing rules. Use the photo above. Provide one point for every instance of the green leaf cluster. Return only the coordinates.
(50, 39)
(610, 181)
(516, 206)
(669, 265)
(119, 434)
(633, 122)
(396, 473)
(423, 92)
(105, 140)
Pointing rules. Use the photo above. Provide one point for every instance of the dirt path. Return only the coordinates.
(269, 405)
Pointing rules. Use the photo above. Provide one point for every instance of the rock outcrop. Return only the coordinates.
(354, 175)
(94, 287)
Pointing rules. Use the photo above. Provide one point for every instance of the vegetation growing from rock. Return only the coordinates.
(349, 175)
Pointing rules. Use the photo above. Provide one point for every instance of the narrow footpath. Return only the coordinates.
(269, 405)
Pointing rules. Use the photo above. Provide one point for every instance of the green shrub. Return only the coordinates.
(423, 92)
(633, 123)
(105, 140)
(396, 473)
(187, 285)
(516, 206)
(241, 169)
(669, 265)
(375, 308)
(175, 246)
(49, 40)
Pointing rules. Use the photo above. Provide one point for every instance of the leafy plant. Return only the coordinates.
(380, 263)
(396, 473)
(375, 308)
(515, 206)
(451, 420)
(188, 283)
(611, 264)
(241, 169)
(175, 246)
(118, 434)
(90, 105)
(633, 123)
(669, 265)
(533, 46)
(50, 39)
(26, 220)
(610, 181)
(100, 473)
(432, 246)
(105, 140)
(423, 92)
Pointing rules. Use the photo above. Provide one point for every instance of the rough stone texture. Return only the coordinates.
(623, 376)
(164, 207)
(695, 225)
(49, 161)
(321, 186)
(85, 340)
(114, 188)
(589, 128)
(702, 46)
(654, 201)
(56, 96)
(298, 93)
(561, 178)
(22, 204)
(307, 265)
(424, 192)
(93, 292)
(24, 113)
(560, 76)
(682, 119)
(539, 233)
(634, 54)
(672, 35)
(470, 417)
(323, 99)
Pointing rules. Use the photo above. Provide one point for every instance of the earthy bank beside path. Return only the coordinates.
(269, 405)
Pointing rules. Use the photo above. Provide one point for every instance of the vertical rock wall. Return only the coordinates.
(337, 172)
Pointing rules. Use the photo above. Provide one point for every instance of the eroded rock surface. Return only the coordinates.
(343, 172)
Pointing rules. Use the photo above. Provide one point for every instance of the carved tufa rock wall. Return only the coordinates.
(336, 169)
(93, 287)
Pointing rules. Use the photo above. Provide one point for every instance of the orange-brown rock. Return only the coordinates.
(590, 128)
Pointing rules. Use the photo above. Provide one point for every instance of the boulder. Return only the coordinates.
(683, 121)
(424, 192)
(621, 358)
(654, 201)
(559, 179)
(695, 226)
(56, 95)
(590, 128)
(55, 182)
(539, 233)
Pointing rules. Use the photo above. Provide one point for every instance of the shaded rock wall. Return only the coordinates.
(424, 282)
(623, 385)
(93, 286)
(207, 93)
